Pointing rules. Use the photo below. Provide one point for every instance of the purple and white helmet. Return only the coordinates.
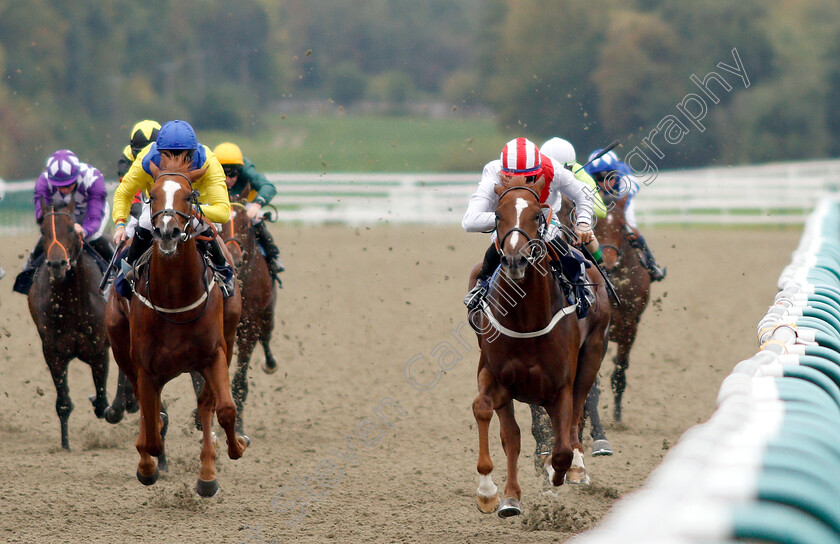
(63, 168)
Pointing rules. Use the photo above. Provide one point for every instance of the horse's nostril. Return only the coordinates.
(504, 260)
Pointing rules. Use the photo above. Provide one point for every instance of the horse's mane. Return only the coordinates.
(179, 163)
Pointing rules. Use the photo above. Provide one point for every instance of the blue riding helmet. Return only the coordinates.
(607, 163)
(177, 135)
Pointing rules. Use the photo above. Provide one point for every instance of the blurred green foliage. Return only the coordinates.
(79, 73)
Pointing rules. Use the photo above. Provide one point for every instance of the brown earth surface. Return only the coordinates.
(358, 304)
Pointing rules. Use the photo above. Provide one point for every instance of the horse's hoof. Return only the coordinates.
(112, 416)
(577, 476)
(206, 488)
(601, 447)
(487, 505)
(509, 507)
(269, 367)
(148, 480)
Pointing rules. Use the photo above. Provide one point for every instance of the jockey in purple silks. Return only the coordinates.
(65, 178)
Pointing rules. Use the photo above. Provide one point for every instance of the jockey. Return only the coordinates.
(66, 178)
(176, 138)
(243, 181)
(142, 134)
(610, 168)
(520, 157)
(563, 152)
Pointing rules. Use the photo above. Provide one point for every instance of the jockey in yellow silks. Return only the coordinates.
(176, 137)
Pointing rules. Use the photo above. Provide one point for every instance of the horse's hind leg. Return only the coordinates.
(63, 404)
(600, 444)
(543, 436)
(511, 444)
(487, 494)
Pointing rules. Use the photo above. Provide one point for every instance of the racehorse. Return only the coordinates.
(68, 310)
(533, 348)
(177, 322)
(632, 284)
(258, 299)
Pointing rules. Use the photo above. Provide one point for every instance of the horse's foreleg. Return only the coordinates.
(266, 328)
(600, 444)
(619, 376)
(99, 370)
(511, 444)
(488, 493)
(218, 379)
(63, 404)
(149, 442)
(207, 486)
(239, 386)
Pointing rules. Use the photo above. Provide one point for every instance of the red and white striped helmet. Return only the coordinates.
(520, 157)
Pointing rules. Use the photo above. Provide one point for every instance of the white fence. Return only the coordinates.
(764, 194)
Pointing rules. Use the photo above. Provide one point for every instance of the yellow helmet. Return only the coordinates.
(229, 153)
(143, 133)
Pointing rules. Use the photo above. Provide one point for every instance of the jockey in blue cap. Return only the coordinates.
(608, 168)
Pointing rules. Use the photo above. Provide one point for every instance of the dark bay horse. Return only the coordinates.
(534, 349)
(632, 284)
(68, 310)
(177, 322)
(258, 298)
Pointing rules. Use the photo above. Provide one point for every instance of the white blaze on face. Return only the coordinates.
(521, 204)
(170, 188)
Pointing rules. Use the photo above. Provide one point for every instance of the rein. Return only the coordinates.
(233, 238)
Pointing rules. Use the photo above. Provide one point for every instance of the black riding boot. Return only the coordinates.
(649, 262)
(492, 259)
(23, 281)
(219, 263)
(272, 253)
(139, 244)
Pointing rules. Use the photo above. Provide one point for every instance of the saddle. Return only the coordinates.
(127, 275)
(569, 268)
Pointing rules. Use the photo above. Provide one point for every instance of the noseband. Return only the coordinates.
(55, 242)
(500, 241)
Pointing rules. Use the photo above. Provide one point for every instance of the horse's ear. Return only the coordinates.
(43, 202)
(195, 174)
(539, 184)
(72, 203)
(505, 183)
(153, 168)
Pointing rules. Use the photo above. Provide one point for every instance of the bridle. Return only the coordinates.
(500, 240)
(171, 212)
(55, 242)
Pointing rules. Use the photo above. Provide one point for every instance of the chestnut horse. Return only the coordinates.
(68, 310)
(632, 283)
(177, 322)
(258, 299)
(534, 349)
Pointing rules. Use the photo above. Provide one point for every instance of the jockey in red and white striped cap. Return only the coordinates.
(520, 157)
